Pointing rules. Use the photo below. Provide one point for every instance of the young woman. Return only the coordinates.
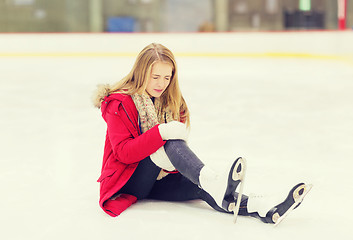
(146, 156)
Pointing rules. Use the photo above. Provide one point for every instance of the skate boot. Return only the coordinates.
(223, 187)
(260, 207)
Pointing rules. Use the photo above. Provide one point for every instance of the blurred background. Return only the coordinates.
(173, 15)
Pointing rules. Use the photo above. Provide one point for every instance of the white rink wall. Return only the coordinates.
(319, 43)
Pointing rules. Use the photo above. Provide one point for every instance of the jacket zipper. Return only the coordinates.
(129, 118)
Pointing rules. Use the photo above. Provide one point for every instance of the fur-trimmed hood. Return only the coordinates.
(101, 92)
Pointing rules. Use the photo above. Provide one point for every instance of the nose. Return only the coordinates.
(160, 82)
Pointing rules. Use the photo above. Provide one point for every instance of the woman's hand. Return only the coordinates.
(173, 130)
(161, 159)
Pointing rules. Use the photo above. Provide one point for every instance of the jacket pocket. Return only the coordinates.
(105, 174)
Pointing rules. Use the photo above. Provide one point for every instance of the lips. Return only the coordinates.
(159, 90)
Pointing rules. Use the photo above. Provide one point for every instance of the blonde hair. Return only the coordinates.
(136, 81)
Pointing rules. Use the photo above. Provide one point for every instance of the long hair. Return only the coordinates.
(137, 79)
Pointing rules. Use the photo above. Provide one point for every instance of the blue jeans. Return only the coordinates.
(182, 186)
(184, 160)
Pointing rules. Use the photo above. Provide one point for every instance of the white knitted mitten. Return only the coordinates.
(161, 159)
(173, 130)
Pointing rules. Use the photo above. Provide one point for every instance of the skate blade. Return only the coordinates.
(298, 198)
(239, 175)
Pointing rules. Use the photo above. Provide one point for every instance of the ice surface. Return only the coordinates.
(291, 118)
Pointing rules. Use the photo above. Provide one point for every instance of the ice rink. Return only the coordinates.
(282, 100)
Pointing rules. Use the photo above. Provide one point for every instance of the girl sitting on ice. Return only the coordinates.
(146, 156)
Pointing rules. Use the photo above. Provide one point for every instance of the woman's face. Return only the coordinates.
(161, 75)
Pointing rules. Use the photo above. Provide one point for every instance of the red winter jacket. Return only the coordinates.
(124, 147)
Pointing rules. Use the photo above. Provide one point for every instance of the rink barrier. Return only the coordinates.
(186, 54)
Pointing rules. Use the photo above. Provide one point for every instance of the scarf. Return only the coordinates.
(150, 114)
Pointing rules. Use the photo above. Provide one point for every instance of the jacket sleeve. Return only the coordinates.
(127, 148)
